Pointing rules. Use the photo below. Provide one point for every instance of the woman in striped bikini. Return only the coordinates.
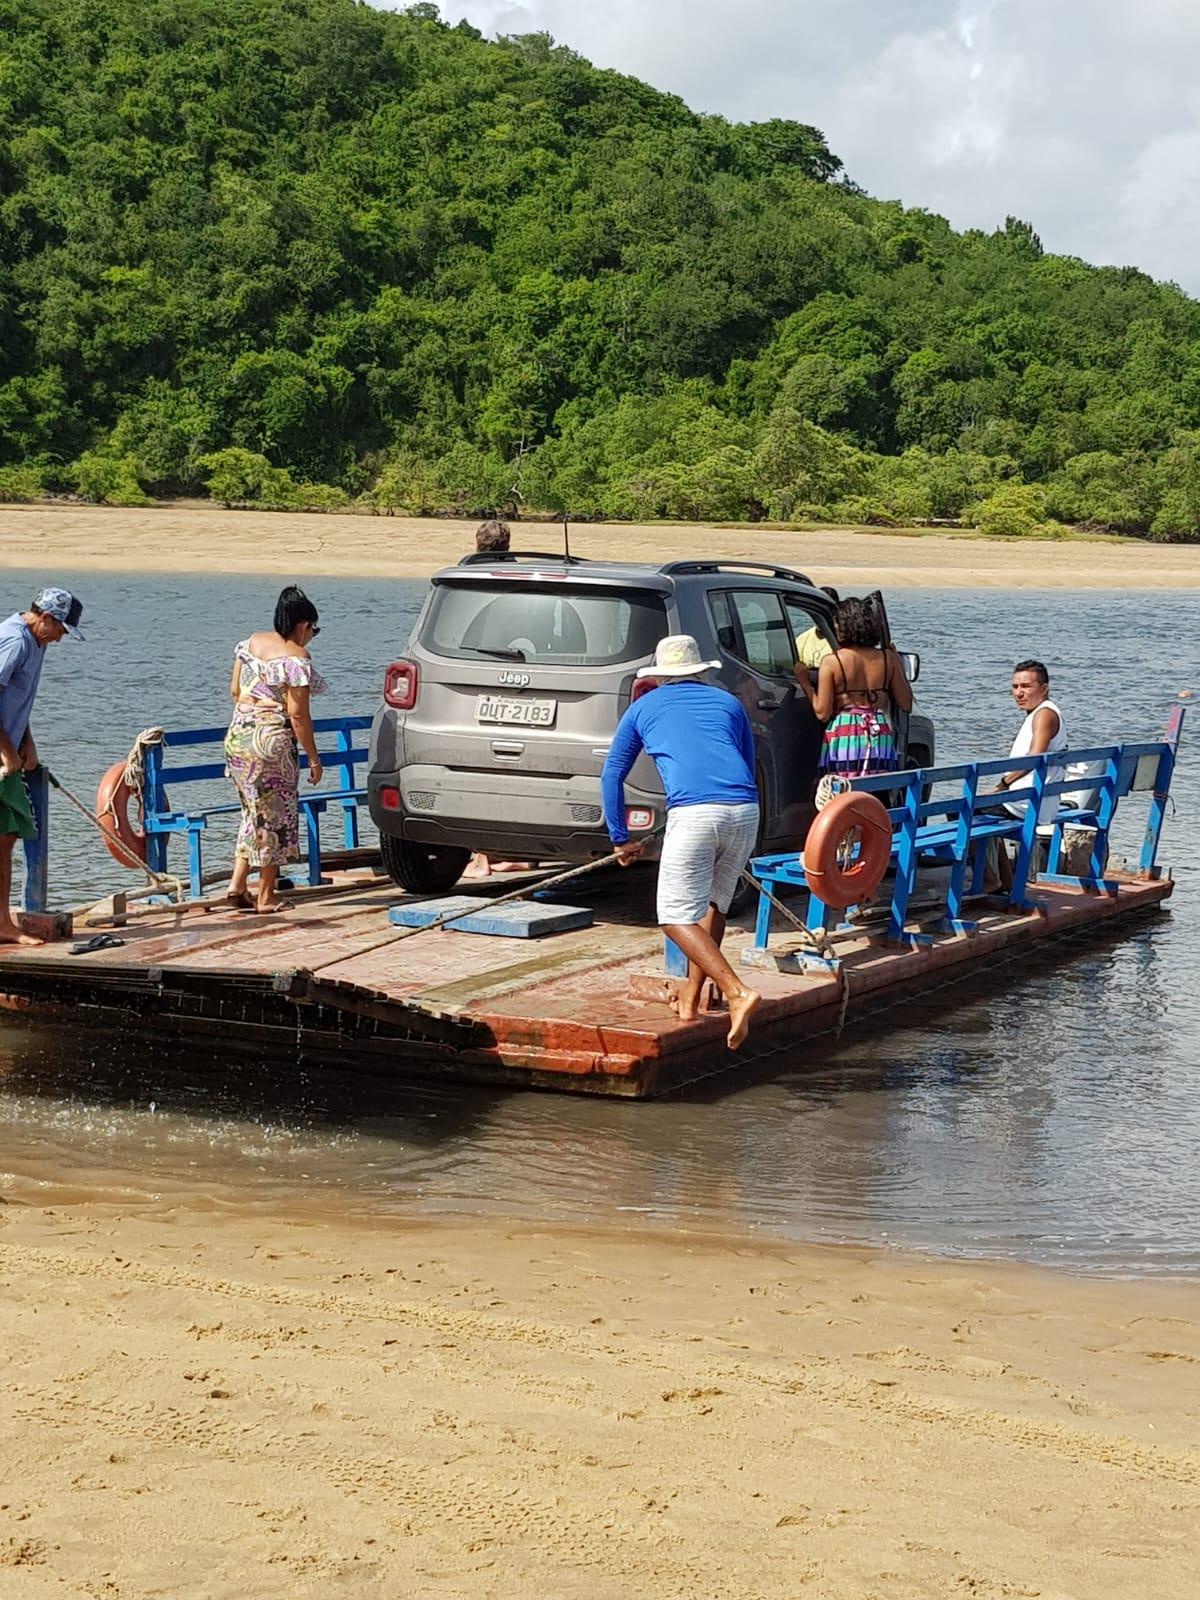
(859, 684)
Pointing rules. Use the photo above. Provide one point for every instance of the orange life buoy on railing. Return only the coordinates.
(841, 885)
(113, 795)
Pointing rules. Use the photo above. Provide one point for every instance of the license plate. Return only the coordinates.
(524, 713)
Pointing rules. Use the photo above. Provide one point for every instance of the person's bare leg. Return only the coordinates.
(9, 932)
(1006, 867)
(691, 989)
(699, 946)
(237, 894)
(715, 923)
(268, 900)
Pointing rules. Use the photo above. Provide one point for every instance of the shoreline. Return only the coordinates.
(206, 1403)
(203, 540)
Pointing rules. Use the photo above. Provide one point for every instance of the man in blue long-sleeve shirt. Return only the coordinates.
(699, 738)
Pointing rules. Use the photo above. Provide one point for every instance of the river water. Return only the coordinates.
(1050, 1114)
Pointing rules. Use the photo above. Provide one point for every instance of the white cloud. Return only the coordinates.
(1081, 116)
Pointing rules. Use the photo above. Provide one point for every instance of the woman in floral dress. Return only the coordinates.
(273, 679)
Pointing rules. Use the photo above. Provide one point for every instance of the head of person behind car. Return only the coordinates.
(493, 535)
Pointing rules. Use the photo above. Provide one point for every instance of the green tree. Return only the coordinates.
(331, 236)
(109, 480)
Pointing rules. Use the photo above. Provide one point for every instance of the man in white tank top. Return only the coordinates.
(1042, 732)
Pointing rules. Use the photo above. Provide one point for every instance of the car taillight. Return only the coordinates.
(642, 686)
(389, 799)
(400, 685)
(639, 818)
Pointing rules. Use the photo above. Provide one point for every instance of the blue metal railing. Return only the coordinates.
(161, 819)
(955, 829)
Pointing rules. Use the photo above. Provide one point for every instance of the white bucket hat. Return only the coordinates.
(677, 656)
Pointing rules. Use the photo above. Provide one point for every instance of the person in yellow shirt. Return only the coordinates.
(812, 646)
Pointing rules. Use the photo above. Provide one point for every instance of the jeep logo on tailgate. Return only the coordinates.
(515, 680)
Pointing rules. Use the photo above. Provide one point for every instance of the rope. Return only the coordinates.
(164, 881)
(513, 894)
(818, 938)
(135, 761)
(841, 1019)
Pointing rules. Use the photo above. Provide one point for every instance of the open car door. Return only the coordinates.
(899, 718)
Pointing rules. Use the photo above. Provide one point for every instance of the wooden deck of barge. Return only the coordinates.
(582, 1011)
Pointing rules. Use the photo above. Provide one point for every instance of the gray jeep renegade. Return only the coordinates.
(495, 723)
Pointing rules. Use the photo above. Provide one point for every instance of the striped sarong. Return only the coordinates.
(859, 740)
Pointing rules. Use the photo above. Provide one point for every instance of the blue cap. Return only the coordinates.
(62, 605)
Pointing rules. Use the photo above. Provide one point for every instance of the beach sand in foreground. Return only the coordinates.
(196, 1404)
(204, 539)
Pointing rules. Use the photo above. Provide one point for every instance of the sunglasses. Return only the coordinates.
(315, 629)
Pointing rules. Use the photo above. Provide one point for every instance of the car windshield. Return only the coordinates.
(548, 624)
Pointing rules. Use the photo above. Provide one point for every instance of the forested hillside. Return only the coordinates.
(304, 251)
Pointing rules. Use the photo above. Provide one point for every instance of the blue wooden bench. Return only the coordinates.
(955, 829)
(162, 818)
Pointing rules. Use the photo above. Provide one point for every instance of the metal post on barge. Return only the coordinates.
(33, 897)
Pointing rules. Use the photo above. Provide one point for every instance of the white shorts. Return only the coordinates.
(704, 851)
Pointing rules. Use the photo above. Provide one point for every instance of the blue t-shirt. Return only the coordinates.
(21, 658)
(698, 737)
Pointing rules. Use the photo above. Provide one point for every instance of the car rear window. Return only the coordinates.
(551, 624)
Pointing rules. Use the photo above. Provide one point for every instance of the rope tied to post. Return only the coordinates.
(135, 761)
(122, 783)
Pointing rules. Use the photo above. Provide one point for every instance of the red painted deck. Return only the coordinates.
(581, 1011)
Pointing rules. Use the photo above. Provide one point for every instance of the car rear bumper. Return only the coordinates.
(516, 814)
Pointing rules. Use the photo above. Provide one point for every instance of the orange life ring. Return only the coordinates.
(837, 885)
(113, 795)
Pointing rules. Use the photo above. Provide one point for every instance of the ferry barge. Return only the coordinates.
(349, 976)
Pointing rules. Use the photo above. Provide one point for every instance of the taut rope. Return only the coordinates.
(135, 777)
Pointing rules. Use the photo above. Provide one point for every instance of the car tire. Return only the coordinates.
(422, 868)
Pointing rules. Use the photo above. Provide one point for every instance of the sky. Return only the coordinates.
(1081, 117)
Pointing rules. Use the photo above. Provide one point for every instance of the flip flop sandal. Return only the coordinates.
(98, 941)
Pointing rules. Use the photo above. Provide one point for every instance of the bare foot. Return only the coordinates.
(11, 934)
(271, 908)
(478, 867)
(512, 866)
(741, 1010)
(685, 1002)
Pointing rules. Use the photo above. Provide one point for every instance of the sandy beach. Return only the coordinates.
(196, 1404)
(206, 539)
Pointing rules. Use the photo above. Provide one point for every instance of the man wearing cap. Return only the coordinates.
(699, 738)
(23, 640)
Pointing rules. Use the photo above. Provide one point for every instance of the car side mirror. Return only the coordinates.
(912, 665)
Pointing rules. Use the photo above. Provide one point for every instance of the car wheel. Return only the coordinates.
(422, 868)
(918, 757)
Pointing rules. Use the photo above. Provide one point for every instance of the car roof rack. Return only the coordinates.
(488, 558)
(737, 566)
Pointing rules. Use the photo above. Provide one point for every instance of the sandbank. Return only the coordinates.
(205, 539)
(195, 1403)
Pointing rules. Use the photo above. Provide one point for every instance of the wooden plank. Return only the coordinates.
(563, 961)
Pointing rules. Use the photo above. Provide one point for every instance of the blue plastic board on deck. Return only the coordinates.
(516, 919)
